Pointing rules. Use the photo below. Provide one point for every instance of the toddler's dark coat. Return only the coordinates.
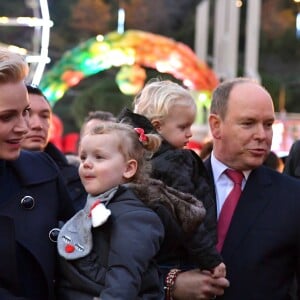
(183, 170)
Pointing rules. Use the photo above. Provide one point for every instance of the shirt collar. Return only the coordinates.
(219, 168)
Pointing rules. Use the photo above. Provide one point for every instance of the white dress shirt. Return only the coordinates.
(223, 184)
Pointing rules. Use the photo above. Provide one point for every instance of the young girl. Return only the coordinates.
(166, 108)
(108, 249)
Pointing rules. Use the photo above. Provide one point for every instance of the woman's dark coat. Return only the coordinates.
(33, 199)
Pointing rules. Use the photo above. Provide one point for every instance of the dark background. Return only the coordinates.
(75, 21)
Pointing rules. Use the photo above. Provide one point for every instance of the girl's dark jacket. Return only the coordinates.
(183, 170)
(33, 199)
(122, 264)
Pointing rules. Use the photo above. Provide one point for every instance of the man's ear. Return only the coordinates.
(215, 125)
(131, 168)
(156, 124)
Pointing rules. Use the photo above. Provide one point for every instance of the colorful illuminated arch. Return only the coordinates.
(130, 51)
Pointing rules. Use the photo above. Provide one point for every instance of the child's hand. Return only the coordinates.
(219, 271)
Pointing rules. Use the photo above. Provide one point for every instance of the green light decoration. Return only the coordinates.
(203, 99)
(130, 51)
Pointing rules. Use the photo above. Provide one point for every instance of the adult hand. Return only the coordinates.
(198, 285)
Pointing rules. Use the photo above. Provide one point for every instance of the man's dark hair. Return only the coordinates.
(220, 95)
(34, 89)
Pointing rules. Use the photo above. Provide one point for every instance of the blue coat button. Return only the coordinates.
(27, 202)
(53, 234)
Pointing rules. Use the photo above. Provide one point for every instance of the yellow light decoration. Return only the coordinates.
(100, 47)
(119, 57)
(131, 79)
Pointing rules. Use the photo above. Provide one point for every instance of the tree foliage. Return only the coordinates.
(99, 92)
(90, 17)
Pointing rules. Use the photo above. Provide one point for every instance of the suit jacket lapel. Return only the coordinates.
(208, 166)
(254, 200)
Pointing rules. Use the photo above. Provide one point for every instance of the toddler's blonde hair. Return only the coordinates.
(157, 97)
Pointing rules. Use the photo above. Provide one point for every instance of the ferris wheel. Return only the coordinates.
(37, 56)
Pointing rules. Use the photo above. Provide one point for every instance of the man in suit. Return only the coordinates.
(262, 246)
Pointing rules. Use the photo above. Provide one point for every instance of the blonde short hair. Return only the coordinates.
(157, 97)
(13, 67)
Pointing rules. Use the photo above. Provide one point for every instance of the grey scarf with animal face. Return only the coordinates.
(75, 237)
